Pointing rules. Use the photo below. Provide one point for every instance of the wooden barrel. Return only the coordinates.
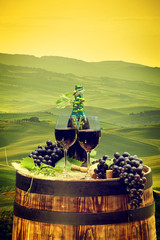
(78, 210)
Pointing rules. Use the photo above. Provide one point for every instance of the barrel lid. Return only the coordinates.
(81, 188)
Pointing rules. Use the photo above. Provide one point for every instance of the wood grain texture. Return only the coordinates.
(33, 230)
(29, 230)
(79, 204)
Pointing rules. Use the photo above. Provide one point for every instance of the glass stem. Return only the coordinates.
(65, 159)
(88, 163)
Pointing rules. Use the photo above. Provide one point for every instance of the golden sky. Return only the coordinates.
(90, 30)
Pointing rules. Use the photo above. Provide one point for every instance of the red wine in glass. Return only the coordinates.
(65, 136)
(89, 138)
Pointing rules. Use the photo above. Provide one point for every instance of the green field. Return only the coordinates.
(18, 138)
(124, 96)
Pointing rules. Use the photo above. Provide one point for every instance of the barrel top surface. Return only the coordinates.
(71, 187)
(147, 171)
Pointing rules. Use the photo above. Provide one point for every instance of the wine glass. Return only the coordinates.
(66, 134)
(89, 138)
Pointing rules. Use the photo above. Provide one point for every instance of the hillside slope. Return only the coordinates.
(33, 89)
(113, 69)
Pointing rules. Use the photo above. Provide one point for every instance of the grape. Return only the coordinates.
(117, 155)
(35, 161)
(49, 151)
(126, 181)
(39, 151)
(125, 174)
(49, 162)
(125, 154)
(122, 163)
(49, 142)
(101, 162)
(140, 168)
(99, 166)
(105, 166)
(38, 162)
(120, 169)
(144, 180)
(141, 186)
(58, 151)
(115, 161)
(140, 199)
(57, 157)
(96, 171)
(140, 191)
(100, 175)
(52, 146)
(133, 191)
(136, 177)
(53, 156)
(44, 161)
(128, 189)
(133, 169)
(127, 161)
(40, 158)
(115, 168)
(46, 157)
(130, 176)
(141, 174)
(127, 167)
(133, 183)
(105, 157)
(140, 181)
(121, 159)
(35, 152)
(137, 164)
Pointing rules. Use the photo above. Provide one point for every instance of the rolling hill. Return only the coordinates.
(112, 69)
(25, 89)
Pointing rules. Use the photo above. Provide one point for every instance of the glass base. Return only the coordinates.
(64, 174)
(87, 176)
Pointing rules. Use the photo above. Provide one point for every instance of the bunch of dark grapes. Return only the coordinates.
(130, 170)
(49, 154)
(102, 166)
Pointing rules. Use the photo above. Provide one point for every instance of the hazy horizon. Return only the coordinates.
(82, 60)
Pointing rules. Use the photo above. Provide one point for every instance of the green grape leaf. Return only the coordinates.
(109, 162)
(69, 94)
(28, 163)
(64, 100)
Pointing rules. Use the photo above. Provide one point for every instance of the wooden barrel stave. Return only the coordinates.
(79, 204)
(29, 230)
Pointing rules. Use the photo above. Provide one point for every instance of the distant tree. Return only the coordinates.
(34, 119)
